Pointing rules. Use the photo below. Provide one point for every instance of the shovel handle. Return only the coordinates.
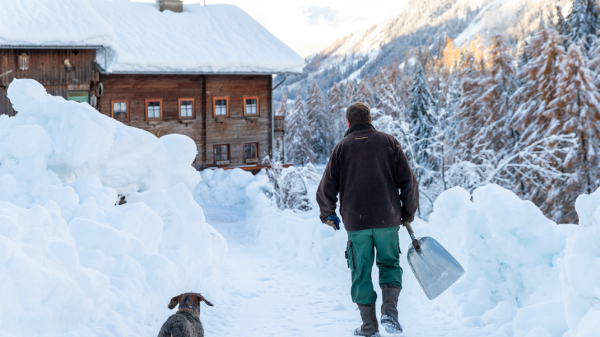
(415, 242)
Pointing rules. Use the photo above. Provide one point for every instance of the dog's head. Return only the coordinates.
(189, 302)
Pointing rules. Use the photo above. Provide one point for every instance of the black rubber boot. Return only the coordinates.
(369, 327)
(389, 308)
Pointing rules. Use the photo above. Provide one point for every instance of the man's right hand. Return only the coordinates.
(333, 221)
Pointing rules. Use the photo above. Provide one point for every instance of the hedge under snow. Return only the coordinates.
(71, 262)
(525, 275)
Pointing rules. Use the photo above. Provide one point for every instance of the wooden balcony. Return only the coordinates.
(279, 123)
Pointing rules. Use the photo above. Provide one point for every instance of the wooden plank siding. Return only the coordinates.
(47, 67)
(237, 130)
(204, 129)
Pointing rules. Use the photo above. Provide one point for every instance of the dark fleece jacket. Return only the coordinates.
(368, 168)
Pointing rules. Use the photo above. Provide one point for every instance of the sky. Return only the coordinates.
(309, 26)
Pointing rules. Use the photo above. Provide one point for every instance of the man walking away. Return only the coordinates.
(367, 168)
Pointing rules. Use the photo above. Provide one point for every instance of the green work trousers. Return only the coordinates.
(360, 252)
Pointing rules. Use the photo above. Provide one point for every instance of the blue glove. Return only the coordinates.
(334, 222)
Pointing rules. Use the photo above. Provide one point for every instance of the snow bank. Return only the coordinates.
(71, 262)
(580, 270)
(509, 251)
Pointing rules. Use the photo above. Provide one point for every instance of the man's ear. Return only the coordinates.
(174, 301)
(347, 121)
(202, 299)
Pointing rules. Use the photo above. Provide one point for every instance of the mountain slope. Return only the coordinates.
(423, 23)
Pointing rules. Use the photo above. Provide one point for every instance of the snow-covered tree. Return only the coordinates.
(298, 148)
(317, 117)
(577, 106)
(364, 93)
(469, 111)
(582, 21)
(561, 24)
(349, 94)
(537, 121)
(283, 108)
(500, 87)
(422, 123)
(337, 116)
(390, 102)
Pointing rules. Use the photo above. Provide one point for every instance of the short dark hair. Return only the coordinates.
(358, 113)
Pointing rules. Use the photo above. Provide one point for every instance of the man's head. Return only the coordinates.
(358, 113)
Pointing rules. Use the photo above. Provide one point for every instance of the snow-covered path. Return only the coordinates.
(263, 294)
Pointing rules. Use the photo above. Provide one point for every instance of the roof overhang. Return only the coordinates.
(48, 47)
(104, 72)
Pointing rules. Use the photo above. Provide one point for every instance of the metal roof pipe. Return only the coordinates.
(273, 116)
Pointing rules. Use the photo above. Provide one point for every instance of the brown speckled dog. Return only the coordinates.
(186, 322)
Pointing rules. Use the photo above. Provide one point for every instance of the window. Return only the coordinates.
(251, 152)
(23, 62)
(251, 106)
(221, 153)
(221, 105)
(154, 108)
(186, 107)
(78, 96)
(119, 110)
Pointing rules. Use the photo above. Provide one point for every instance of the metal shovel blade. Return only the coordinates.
(435, 269)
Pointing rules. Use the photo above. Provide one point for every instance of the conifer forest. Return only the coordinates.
(525, 115)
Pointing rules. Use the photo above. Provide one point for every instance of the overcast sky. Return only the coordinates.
(308, 26)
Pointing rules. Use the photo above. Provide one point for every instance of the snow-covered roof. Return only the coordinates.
(52, 23)
(137, 38)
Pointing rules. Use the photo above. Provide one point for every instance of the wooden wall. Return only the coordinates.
(204, 129)
(236, 130)
(47, 67)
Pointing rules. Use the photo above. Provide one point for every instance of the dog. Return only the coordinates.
(186, 322)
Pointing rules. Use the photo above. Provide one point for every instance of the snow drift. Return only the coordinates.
(71, 262)
(525, 275)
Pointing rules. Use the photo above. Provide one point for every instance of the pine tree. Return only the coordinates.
(561, 24)
(534, 117)
(349, 94)
(364, 93)
(298, 148)
(282, 110)
(421, 119)
(469, 111)
(577, 106)
(337, 116)
(582, 21)
(317, 117)
(500, 86)
(390, 103)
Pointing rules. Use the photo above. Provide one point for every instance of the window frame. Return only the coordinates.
(257, 106)
(257, 151)
(193, 108)
(148, 100)
(228, 154)
(112, 109)
(215, 98)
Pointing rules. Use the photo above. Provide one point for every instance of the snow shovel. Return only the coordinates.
(435, 269)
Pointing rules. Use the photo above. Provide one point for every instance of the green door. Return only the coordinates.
(78, 96)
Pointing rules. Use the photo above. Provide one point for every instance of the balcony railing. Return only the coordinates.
(279, 123)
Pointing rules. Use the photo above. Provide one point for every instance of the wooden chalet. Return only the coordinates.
(202, 71)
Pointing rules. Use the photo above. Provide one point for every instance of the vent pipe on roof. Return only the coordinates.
(172, 5)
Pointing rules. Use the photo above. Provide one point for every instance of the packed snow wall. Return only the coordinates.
(525, 275)
(72, 262)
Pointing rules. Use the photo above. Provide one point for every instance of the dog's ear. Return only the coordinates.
(174, 301)
(201, 298)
